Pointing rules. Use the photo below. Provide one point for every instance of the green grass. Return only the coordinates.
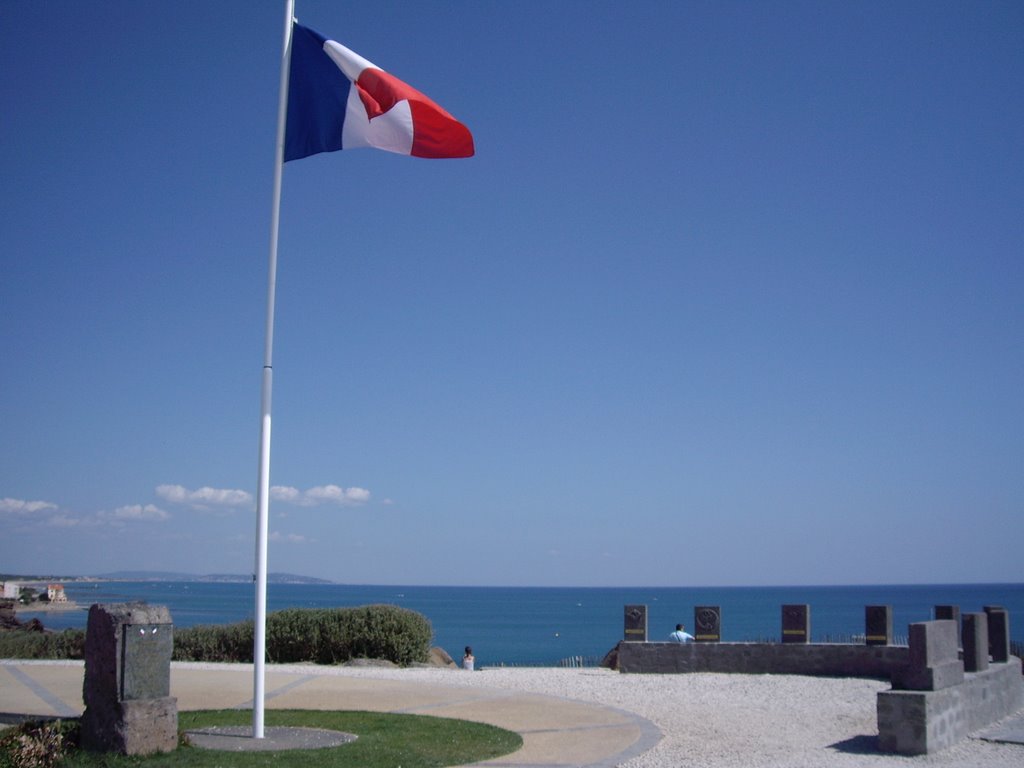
(384, 741)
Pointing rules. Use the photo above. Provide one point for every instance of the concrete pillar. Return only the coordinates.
(975, 637)
(934, 658)
(950, 613)
(998, 633)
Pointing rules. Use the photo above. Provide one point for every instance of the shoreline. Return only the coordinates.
(38, 607)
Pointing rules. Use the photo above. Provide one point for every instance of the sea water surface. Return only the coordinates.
(546, 625)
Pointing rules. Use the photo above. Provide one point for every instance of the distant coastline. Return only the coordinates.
(68, 606)
(227, 578)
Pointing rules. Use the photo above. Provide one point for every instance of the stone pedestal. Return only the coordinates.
(878, 625)
(707, 624)
(635, 623)
(128, 707)
(796, 623)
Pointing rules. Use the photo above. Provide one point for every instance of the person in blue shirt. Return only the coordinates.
(681, 635)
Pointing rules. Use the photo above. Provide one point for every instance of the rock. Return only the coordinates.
(611, 659)
(8, 619)
(438, 657)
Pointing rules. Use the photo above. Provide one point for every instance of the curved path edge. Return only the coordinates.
(557, 731)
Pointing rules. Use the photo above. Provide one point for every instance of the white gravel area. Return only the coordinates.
(726, 721)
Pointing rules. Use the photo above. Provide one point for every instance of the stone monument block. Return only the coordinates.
(128, 707)
(998, 633)
(707, 622)
(975, 639)
(949, 613)
(878, 625)
(934, 658)
(635, 619)
(796, 623)
(147, 661)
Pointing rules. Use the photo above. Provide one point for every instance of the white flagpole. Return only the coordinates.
(259, 646)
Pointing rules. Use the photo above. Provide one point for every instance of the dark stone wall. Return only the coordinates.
(824, 660)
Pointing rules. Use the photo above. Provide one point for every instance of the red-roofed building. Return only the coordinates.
(56, 593)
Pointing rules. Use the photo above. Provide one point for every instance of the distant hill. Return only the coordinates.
(272, 578)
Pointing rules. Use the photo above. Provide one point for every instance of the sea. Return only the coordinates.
(551, 626)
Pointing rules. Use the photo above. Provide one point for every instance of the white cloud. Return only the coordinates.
(334, 494)
(285, 493)
(205, 497)
(62, 520)
(325, 493)
(48, 514)
(321, 494)
(357, 495)
(20, 507)
(140, 512)
(177, 494)
(290, 538)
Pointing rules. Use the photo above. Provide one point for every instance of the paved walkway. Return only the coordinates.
(1009, 731)
(556, 732)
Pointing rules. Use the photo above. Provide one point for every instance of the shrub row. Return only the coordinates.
(28, 644)
(323, 636)
(226, 642)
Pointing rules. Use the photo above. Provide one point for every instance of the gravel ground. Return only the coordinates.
(726, 721)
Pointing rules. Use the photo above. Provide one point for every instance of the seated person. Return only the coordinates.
(681, 635)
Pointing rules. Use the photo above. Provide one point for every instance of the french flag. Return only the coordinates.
(339, 100)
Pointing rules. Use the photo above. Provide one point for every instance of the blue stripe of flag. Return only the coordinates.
(317, 98)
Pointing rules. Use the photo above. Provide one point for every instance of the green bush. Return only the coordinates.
(324, 636)
(228, 642)
(389, 632)
(294, 635)
(25, 644)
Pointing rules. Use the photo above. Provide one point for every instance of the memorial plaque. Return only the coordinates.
(707, 620)
(878, 625)
(146, 662)
(796, 623)
(950, 613)
(998, 633)
(636, 623)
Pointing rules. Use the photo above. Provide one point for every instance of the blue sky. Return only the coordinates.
(732, 293)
